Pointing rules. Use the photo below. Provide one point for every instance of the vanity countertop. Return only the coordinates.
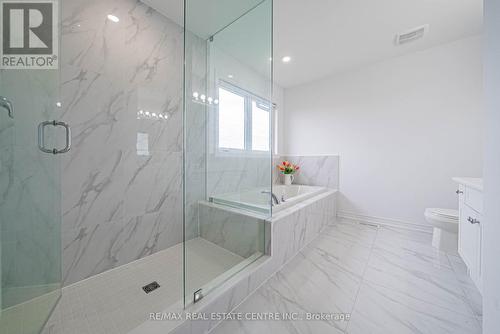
(473, 182)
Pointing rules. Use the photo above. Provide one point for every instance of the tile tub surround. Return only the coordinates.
(122, 180)
(290, 231)
(242, 234)
(319, 170)
(389, 280)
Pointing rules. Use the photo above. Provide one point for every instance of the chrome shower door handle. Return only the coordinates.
(5, 103)
(41, 137)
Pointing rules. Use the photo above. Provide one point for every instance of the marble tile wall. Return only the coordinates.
(239, 233)
(237, 174)
(122, 180)
(315, 170)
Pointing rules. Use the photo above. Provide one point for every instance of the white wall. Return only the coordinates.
(402, 128)
(491, 225)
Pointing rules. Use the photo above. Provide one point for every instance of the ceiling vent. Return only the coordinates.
(412, 35)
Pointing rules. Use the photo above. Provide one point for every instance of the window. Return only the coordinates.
(243, 121)
(231, 120)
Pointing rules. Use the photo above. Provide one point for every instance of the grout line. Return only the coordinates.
(362, 278)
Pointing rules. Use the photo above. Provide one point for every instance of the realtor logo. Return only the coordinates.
(29, 34)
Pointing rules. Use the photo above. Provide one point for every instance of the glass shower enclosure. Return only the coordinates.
(227, 146)
(227, 155)
(30, 191)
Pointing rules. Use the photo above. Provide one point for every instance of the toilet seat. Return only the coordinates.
(444, 214)
(446, 219)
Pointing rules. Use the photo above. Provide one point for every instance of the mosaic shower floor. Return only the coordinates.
(114, 302)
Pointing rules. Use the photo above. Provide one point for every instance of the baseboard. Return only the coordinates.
(384, 221)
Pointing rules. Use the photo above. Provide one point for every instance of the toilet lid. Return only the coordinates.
(448, 213)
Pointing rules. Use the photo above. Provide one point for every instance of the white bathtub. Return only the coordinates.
(256, 200)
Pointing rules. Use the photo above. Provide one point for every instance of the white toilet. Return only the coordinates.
(445, 223)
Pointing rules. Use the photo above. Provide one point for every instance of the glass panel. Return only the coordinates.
(228, 50)
(231, 120)
(30, 215)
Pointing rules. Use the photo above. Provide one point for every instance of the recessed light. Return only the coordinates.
(286, 59)
(113, 18)
(230, 76)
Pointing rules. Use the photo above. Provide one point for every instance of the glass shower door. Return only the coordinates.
(30, 217)
(227, 143)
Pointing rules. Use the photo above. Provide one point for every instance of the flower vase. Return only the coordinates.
(288, 179)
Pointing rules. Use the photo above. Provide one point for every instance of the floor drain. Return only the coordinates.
(151, 287)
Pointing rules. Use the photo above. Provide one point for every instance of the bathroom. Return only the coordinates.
(251, 166)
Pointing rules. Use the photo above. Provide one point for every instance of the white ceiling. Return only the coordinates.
(205, 17)
(324, 37)
(329, 36)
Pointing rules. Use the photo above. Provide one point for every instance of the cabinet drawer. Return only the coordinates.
(474, 199)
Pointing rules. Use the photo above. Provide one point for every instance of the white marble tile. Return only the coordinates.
(239, 233)
(471, 292)
(401, 286)
(413, 248)
(111, 71)
(420, 281)
(381, 309)
(316, 170)
(314, 281)
(153, 182)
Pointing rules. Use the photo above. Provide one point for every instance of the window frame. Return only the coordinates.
(248, 97)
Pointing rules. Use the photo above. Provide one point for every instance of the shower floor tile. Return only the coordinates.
(114, 303)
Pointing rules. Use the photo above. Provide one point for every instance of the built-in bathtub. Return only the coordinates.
(259, 199)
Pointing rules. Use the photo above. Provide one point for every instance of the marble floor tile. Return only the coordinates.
(471, 292)
(323, 278)
(429, 284)
(353, 232)
(385, 310)
(389, 280)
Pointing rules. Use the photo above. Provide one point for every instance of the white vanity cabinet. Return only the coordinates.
(470, 229)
